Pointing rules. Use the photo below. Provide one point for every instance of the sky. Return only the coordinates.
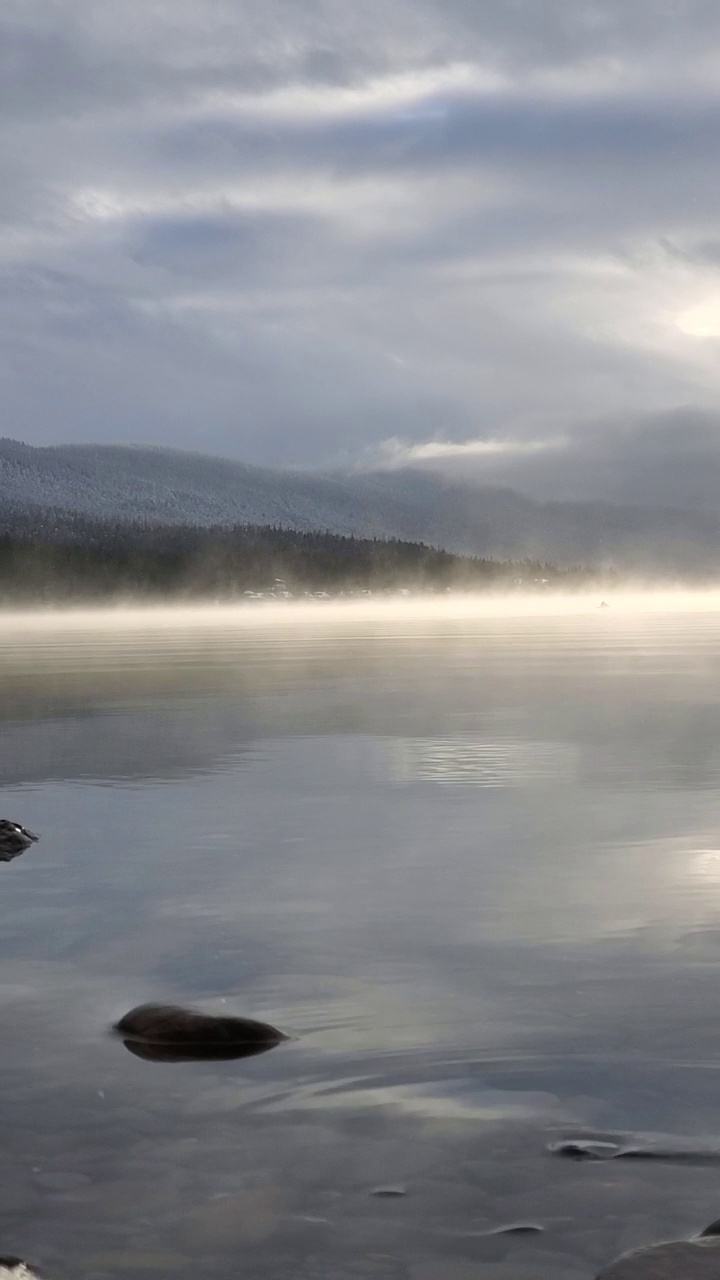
(482, 235)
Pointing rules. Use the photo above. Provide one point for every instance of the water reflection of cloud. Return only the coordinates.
(449, 1102)
(127, 744)
(705, 864)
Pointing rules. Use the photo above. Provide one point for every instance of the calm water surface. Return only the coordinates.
(473, 866)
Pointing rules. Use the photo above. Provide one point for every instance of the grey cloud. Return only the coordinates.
(232, 247)
(493, 237)
(670, 459)
(445, 127)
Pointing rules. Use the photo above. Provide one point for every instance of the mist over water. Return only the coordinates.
(465, 850)
(631, 600)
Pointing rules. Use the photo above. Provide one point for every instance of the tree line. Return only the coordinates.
(56, 557)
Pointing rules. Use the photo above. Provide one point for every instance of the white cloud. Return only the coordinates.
(399, 453)
(383, 94)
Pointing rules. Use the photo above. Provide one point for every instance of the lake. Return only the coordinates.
(467, 856)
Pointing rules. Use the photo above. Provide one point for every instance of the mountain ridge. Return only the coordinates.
(168, 486)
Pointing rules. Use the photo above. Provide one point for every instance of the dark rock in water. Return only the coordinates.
(389, 1191)
(14, 840)
(680, 1260)
(199, 1035)
(712, 1230)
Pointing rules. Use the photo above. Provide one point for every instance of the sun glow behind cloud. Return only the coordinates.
(701, 321)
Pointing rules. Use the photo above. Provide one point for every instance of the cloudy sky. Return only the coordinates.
(475, 233)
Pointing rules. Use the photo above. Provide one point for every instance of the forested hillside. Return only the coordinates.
(72, 559)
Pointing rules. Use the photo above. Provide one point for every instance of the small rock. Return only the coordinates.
(13, 832)
(510, 1229)
(389, 1191)
(14, 840)
(517, 1229)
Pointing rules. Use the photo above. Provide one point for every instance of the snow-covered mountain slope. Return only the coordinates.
(112, 482)
(120, 482)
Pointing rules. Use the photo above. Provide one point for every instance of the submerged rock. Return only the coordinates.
(14, 840)
(505, 1229)
(388, 1192)
(517, 1229)
(640, 1147)
(579, 1149)
(679, 1260)
(169, 1033)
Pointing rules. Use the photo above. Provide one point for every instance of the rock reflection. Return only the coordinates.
(194, 1053)
(7, 855)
